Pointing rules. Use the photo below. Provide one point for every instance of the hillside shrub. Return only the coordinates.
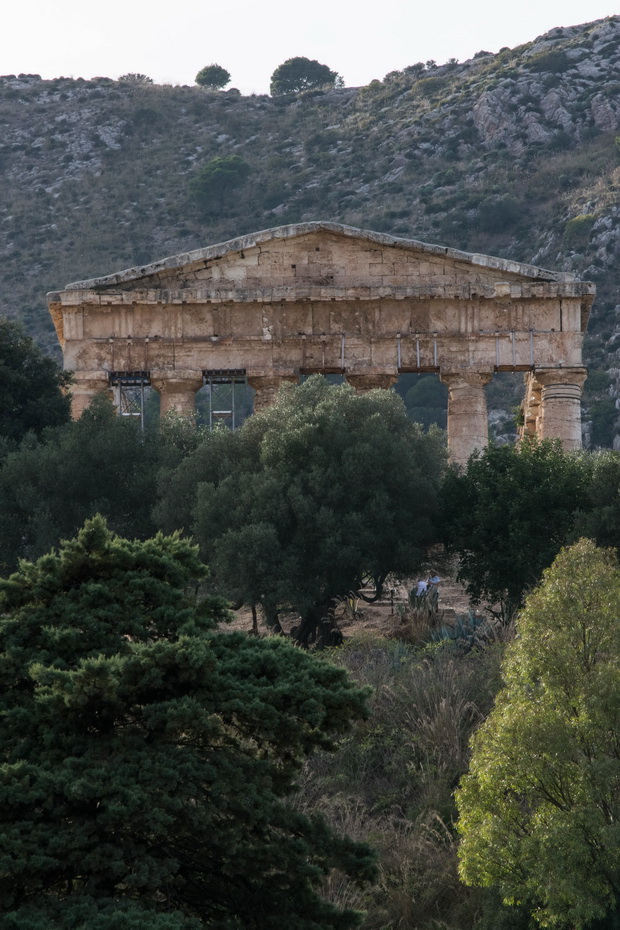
(554, 60)
(577, 231)
(497, 216)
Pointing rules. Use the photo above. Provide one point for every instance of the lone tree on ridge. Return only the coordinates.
(213, 77)
(297, 74)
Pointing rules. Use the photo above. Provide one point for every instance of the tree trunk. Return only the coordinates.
(319, 626)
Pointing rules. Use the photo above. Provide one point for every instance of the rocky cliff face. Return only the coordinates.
(513, 154)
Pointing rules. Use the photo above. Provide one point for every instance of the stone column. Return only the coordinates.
(266, 386)
(364, 381)
(177, 390)
(468, 425)
(86, 384)
(561, 405)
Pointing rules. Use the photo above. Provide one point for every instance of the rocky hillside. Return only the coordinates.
(512, 154)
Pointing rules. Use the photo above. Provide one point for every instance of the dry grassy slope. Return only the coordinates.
(511, 154)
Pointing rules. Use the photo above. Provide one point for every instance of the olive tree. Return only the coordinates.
(323, 490)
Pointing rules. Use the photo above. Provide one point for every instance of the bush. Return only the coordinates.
(213, 77)
(555, 60)
(497, 216)
(135, 78)
(577, 231)
(215, 180)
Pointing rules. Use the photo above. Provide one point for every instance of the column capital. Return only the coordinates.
(167, 377)
(468, 377)
(177, 389)
(266, 384)
(548, 376)
(371, 379)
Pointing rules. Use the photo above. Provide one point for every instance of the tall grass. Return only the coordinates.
(392, 781)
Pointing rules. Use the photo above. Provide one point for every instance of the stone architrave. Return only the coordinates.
(560, 416)
(283, 303)
(266, 386)
(177, 390)
(468, 424)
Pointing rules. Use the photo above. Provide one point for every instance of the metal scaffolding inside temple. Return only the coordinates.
(128, 392)
(226, 393)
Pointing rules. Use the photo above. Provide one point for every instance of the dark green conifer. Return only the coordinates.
(146, 757)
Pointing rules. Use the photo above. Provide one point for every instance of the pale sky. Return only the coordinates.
(361, 40)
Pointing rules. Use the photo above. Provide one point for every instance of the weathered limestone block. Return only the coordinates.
(177, 390)
(532, 407)
(468, 427)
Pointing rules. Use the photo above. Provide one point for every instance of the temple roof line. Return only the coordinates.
(294, 230)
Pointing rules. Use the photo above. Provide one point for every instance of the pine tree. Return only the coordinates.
(147, 757)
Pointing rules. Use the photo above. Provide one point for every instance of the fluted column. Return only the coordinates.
(266, 386)
(561, 405)
(468, 425)
(177, 390)
(86, 384)
(370, 380)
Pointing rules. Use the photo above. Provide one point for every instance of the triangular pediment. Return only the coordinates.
(320, 255)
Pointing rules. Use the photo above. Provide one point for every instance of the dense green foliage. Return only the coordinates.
(98, 464)
(540, 807)
(324, 489)
(507, 515)
(217, 179)
(297, 74)
(147, 757)
(213, 76)
(31, 386)
(600, 517)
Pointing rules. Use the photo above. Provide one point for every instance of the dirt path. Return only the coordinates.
(381, 619)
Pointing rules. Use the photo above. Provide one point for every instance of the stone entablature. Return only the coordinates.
(320, 297)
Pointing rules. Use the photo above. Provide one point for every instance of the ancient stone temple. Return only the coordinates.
(321, 297)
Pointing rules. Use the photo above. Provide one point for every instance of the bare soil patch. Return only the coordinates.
(383, 618)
